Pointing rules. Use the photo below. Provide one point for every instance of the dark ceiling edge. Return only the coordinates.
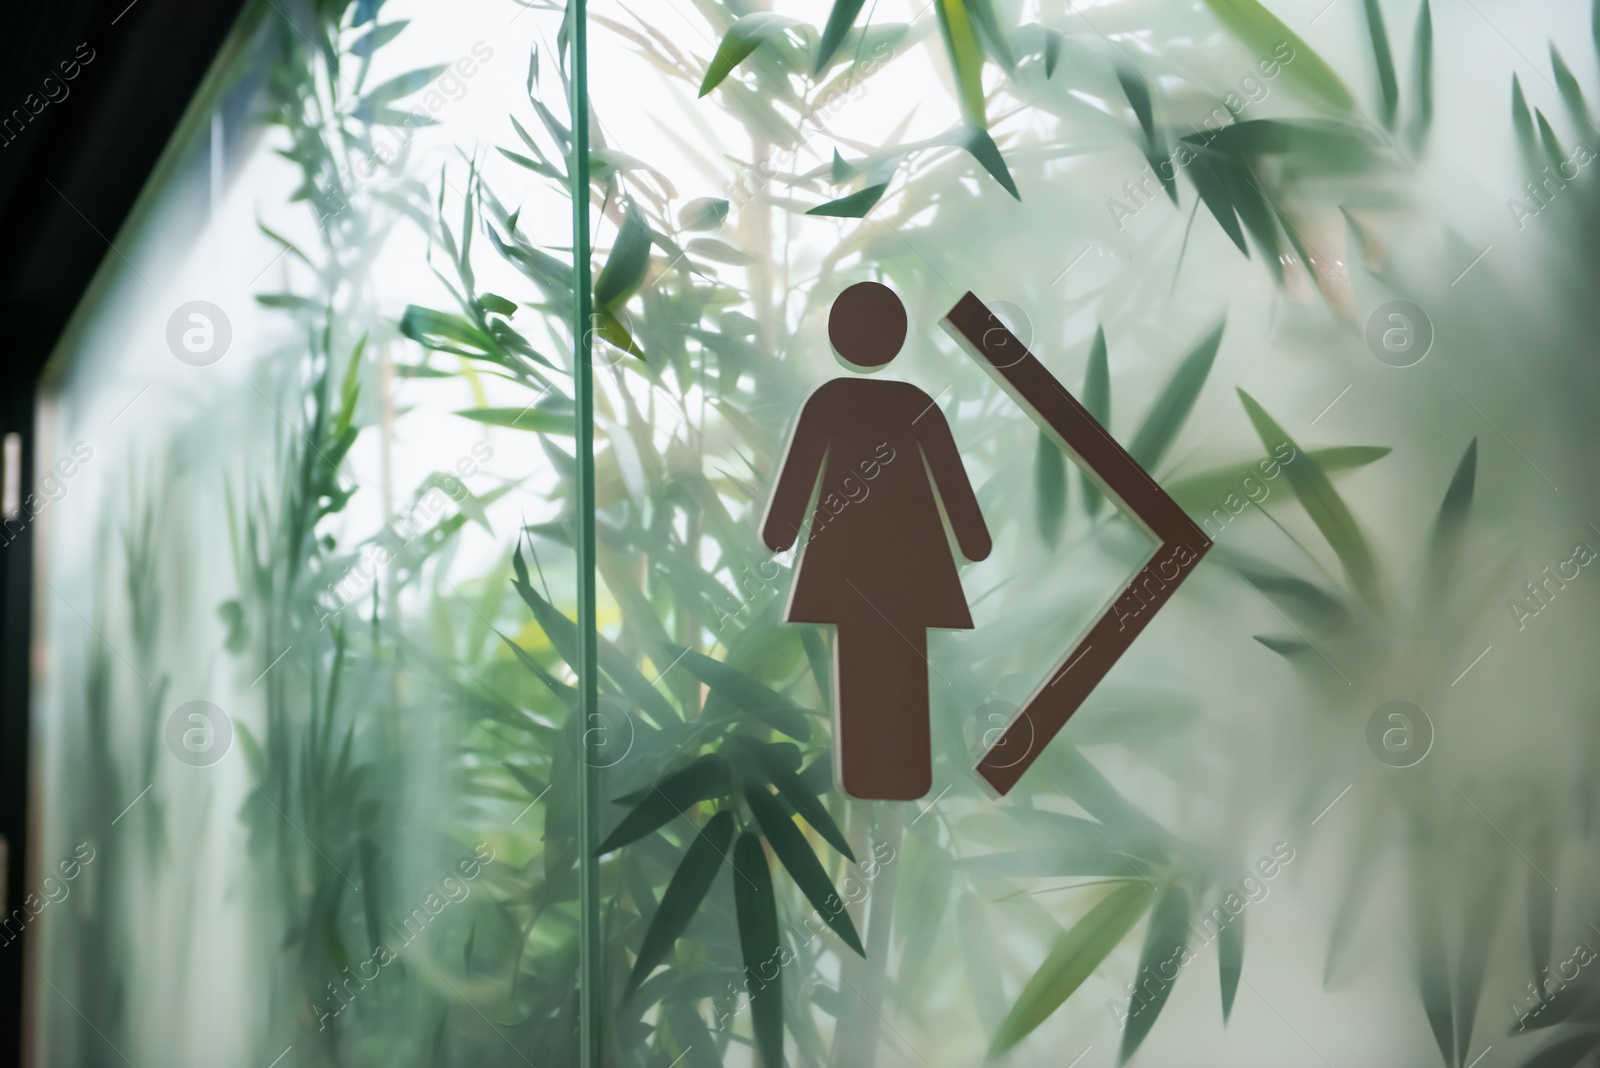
(85, 161)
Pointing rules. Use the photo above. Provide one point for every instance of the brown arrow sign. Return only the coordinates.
(1181, 541)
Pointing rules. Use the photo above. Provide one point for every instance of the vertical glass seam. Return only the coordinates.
(589, 948)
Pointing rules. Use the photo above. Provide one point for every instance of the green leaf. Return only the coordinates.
(1137, 91)
(1478, 925)
(1230, 962)
(747, 693)
(966, 58)
(854, 206)
(757, 911)
(840, 19)
(1450, 525)
(1522, 123)
(991, 33)
(493, 302)
(799, 796)
(1164, 943)
(396, 88)
(625, 266)
(609, 328)
(1433, 977)
(1171, 409)
(802, 864)
(1097, 399)
(449, 333)
(290, 302)
(703, 213)
(563, 634)
(1288, 648)
(684, 893)
(1049, 488)
(1260, 218)
(1073, 958)
(1321, 502)
(746, 33)
(377, 37)
(977, 142)
(709, 248)
(1208, 491)
(1555, 155)
(1422, 72)
(668, 799)
(1388, 85)
(1263, 33)
(840, 171)
(1052, 51)
(1571, 93)
(521, 419)
(1202, 171)
(1300, 597)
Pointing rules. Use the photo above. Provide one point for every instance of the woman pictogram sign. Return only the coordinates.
(879, 568)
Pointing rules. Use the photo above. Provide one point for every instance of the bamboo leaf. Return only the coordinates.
(1288, 648)
(977, 142)
(1522, 123)
(1263, 33)
(1422, 73)
(854, 206)
(396, 88)
(743, 37)
(757, 911)
(802, 864)
(1164, 943)
(840, 20)
(1450, 525)
(625, 266)
(747, 693)
(1479, 922)
(1049, 488)
(377, 37)
(1310, 602)
(1097, 399)
(966, 58)
(1202, 171)
(1571, 93)
(799, 796)
(1052, 51)
(703, 213)
(1171, 409)
(521, 419)
(1073, 958)
(1321, 502)
(1230, 962)
(668, 799)
(1137, 90)
(991, 33)
(563, 634)
(1209, 491)
(684, 893)
(1388, 85)
(1433, 977)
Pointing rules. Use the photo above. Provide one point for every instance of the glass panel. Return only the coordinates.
(292, 722)
(1309, 741)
